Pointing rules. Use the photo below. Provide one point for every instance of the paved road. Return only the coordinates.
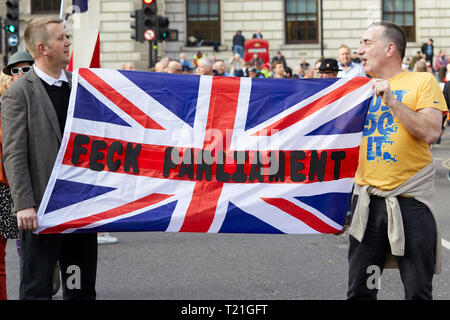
(210, 266)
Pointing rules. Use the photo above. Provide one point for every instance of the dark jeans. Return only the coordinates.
(416, 266)
(430, 59)
(77, 255)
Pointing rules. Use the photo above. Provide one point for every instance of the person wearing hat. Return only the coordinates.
(19, 64)
(328, 68)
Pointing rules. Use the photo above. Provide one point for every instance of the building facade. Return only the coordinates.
(301, 29)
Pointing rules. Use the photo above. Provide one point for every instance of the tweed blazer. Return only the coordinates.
(31, 139)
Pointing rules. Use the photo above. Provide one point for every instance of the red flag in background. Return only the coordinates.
(86, 35)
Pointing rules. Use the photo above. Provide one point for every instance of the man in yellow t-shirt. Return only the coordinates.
(390, 154)
(404, 118)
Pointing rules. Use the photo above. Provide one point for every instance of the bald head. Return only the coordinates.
(174, 67)
(159, 67)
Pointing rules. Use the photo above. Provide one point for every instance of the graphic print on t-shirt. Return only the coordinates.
(379, 127)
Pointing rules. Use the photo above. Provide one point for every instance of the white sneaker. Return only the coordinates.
(106, 239)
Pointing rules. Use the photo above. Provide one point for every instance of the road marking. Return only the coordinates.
(446, 163)
(446, 243)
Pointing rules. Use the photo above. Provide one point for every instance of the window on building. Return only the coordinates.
(301, 20)
(203, 22)
(401, 12)
(45, 6)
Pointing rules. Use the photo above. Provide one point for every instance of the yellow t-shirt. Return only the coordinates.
(389, 155)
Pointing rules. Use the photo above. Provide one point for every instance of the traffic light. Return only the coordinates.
(163, 28)
(12, 12)
(137, 25)
(12, 25)
(150, 16)
(145, 21)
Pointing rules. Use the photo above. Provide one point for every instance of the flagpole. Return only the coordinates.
(321, 30)
(61, 10)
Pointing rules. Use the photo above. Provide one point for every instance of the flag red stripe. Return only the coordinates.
(313, 107)
(124, 209)
(151, 162)
(221, 116)
(119, 100)
(301, 214)
(202, 208)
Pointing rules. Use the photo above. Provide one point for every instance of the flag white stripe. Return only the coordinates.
(294, 137)
(201, 114)
(128, 89)
(247, 197)
(178, 133)
(143, 136)
(179, 214)
(126, 192)
(315, 212)
(298, 106)
(332, 110)
(108, 103)
(124, 216)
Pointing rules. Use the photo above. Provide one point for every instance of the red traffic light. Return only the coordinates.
(148, 1)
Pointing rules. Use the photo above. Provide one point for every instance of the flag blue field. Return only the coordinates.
(147, 151)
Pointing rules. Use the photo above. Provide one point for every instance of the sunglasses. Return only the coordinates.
(15, 71)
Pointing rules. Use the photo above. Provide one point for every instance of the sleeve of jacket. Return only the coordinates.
(14, 120)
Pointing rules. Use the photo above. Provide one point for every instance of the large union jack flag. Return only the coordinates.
(149, 151)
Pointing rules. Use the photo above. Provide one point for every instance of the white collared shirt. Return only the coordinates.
(50, 80)
(355, 70)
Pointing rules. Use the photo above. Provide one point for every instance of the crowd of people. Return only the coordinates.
(392, 205)
(424, 61)
(235, 66)
(346, 64)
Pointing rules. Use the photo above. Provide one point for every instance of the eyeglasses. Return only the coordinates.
(15, 71)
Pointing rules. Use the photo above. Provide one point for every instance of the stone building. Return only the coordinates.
(299, 28)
